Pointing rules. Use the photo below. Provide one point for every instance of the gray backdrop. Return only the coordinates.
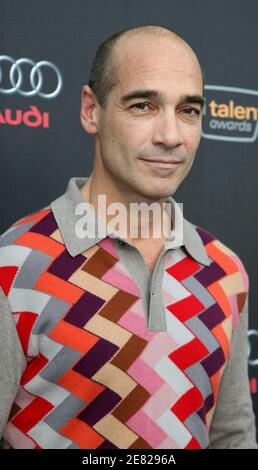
(42, 143)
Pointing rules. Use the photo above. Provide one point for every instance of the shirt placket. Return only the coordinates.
(150, 284)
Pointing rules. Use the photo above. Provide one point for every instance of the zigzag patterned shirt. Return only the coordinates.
(98, 353)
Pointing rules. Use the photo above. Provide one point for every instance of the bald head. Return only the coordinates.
(122, 48)
(151, 30)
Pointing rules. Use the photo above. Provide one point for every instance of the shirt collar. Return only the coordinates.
(64, 213)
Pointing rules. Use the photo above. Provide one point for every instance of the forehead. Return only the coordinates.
(158, 62)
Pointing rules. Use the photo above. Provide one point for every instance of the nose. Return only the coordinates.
(166, 129)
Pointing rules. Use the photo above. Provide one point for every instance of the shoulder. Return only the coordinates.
(38, 222)
(24, 241)
(27, 222)
(233, 278)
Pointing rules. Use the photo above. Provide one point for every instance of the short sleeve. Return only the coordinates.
(233, 423)
(12, 360)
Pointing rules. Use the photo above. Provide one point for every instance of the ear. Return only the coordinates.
(89, 110)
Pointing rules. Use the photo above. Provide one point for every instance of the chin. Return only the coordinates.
(156, 193)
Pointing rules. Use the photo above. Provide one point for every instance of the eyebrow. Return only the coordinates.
(141, 94)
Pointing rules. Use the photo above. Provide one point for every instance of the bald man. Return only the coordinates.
(113, 339)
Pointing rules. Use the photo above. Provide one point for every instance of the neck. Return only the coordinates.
(129, 223)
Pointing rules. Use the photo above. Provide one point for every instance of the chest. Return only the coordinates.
(150, 253)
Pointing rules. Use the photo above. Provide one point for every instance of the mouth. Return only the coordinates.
(162, 163)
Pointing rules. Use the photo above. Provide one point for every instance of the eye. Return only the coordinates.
(192, 111)
(140, 106)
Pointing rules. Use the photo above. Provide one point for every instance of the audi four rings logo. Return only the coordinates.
(16, 77)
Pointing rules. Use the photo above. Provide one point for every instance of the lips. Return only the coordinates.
(162, 164)
(162, 161)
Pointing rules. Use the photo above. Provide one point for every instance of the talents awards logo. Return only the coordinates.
(230, 114)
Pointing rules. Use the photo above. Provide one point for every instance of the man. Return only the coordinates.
(121, 341)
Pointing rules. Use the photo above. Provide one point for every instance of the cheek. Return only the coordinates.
(195, 132)
(130, 134)
(134, 125)
(117, 142)
(192, 137)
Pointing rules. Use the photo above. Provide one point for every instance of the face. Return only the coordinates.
(148, 135)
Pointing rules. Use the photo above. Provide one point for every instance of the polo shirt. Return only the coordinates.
(97, 352)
